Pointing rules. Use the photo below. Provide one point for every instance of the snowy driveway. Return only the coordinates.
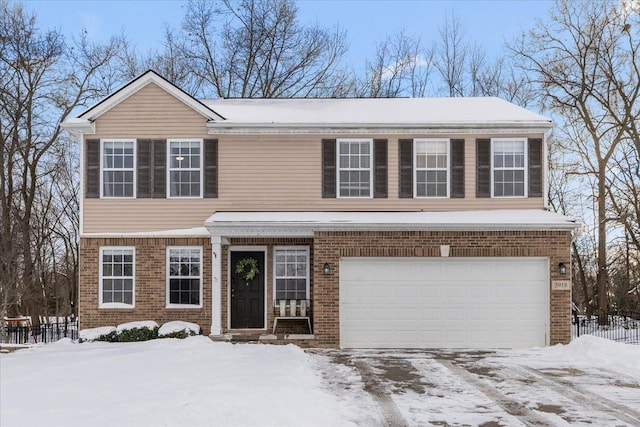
(591, 382)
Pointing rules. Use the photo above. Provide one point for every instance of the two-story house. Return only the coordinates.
(386, 222)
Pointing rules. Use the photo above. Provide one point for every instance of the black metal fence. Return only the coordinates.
(617, 326)
(43, 333)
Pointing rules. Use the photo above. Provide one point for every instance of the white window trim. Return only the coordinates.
(338, 169)
(167, 277)
(525, 168)
(415, 167)
(298, 248)
(101, 277)
(134, 169)
(199, 141)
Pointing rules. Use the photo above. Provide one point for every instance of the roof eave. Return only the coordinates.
(78, 127)
(407, 128)
(301, 229)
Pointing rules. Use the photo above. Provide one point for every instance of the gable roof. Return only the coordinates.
(140, 82)
(329, 115)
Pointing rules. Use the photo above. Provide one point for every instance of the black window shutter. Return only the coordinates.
(159, 177)
(483, 168)
(144, 168)
(457, 168)
(92, 183)
(380, 169)
(210, 168)
(405, 156)
(328, 168)
(535, 167)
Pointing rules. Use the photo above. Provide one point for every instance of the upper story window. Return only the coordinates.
(184, 277)
(117, 277)
(185, 168)
(509, 163)
(355, 178)
(291, 269)
(118, 168)
(431, 167)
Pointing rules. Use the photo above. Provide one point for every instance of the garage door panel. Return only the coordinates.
(480, 290)
(435, 302)
(459, 270)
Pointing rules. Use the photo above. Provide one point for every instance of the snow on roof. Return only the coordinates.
(374, 111)
(488, 219)
(444, 113)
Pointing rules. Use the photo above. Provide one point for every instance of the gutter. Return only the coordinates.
(397, 128)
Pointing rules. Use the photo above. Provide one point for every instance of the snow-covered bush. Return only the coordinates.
(126, 332)
(178, 329)
(137, 331)
(103, 333)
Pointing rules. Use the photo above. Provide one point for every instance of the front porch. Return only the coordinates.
(275, 301)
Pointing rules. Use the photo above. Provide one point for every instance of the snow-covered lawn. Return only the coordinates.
(165, 382)
(197, 382)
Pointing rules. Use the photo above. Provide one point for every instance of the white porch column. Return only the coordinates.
(216, 285)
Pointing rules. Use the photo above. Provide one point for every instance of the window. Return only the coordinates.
(118, 167)
(354, 167)
(184, 277)
(117, 277)
(291, 273)
(185, 168)
(508, 167)
(432, 167)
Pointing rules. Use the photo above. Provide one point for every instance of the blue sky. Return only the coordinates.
(489, 23)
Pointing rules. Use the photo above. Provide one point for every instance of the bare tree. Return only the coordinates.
(584, 59)
(43, 80)
(452, 55)
(401, 67)
(255, 48)
(171, 63)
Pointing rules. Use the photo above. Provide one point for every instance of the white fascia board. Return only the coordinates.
(401, 128)
(304, 224)
(79, 126)
(298, 230)
(140, 82)
(261, 230)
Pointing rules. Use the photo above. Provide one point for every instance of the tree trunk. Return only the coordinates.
(602, 277)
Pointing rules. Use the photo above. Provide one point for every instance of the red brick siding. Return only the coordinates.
(327, 246)
(150, 283)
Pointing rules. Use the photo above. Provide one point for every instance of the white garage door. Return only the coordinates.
(438, 303)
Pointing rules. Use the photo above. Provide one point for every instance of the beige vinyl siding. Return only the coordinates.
(151, 113)
(276, 173)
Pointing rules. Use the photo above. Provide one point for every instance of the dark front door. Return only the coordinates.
(247, 295)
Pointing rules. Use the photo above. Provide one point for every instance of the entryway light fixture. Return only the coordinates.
(562, 268)
(326, 269)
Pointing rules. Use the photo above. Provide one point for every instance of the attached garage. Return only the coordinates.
(444, 302)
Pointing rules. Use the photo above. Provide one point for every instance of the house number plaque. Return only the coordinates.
(561, 285)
